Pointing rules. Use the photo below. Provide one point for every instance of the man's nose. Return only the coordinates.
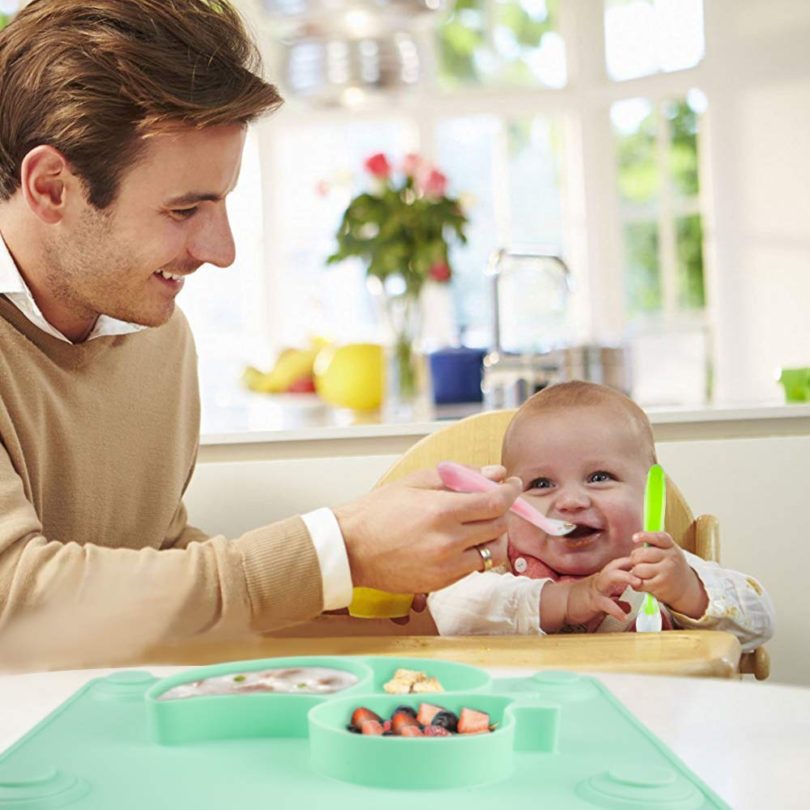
(212, 241)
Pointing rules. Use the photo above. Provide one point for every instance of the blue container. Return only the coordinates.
(456, 374)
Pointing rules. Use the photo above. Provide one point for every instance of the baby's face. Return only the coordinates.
(586, 465)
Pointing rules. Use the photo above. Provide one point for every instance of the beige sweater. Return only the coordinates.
(97, 444)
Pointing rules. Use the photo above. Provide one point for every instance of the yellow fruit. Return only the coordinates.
(254, 379)
(351, 376)
(291, 365)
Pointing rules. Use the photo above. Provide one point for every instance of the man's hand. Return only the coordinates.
(414, 536)
(582, 600)
(664, 572)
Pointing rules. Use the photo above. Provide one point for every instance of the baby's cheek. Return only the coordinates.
(522, 535)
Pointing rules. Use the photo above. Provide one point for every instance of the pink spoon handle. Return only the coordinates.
(462, 479)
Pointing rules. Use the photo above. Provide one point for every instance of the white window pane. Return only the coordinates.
(224, 306)
(643, 37)
(535, 184)
(467, 150)
(317, 168)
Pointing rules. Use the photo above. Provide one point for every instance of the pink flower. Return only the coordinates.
(439, 271)
(435, 184)
(412, 164)
(379, 166)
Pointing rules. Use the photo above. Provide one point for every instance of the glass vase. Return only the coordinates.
(406, 397)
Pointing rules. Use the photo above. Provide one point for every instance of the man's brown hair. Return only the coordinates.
(93, 78)
(579, 393)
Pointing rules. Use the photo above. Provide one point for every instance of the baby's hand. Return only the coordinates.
(664, 572)
(595, 596)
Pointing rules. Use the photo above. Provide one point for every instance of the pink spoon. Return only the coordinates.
(462, 479)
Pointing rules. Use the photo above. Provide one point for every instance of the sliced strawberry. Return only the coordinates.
(471, 721)
(411, 731)
(436, 731)
(372, 727)
(426, 713)
(362, 715)
(403, 720)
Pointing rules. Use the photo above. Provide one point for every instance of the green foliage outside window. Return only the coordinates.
(691, 288)
(465, 48)
(639, 180)
(642, 277)
(639, 177)
(683, 157)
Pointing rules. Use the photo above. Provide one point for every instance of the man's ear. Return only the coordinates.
(46, 177)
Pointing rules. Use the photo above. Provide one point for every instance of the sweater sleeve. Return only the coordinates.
(488, 603)
(738, 604)
(70, 602)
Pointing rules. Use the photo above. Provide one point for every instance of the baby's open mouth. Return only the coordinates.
(582, 531)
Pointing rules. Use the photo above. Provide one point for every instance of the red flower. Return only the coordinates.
(379, 166)
(439, 271)
(412, 164)
(435, 184)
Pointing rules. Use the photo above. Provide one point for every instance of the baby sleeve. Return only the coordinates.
(738, 604)
(488, 603)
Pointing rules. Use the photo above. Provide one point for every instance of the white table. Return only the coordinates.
(749, 741)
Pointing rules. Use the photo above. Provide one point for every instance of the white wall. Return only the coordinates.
(758, 74)
(757, 487)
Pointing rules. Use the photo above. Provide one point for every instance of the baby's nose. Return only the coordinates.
(571, 499)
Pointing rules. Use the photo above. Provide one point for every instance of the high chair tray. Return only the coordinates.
(559, 740)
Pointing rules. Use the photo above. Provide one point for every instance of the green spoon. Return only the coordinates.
(655, 506)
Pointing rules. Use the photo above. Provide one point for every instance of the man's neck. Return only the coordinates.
(22, 241)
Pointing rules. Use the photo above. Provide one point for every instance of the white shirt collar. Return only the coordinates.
(13, 286)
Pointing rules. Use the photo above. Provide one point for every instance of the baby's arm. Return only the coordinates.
(488, 603)
(737, 603)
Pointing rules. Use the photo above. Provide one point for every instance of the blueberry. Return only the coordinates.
(445, 719)
(405, 709)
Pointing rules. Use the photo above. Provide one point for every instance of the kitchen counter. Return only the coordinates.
(304, 426)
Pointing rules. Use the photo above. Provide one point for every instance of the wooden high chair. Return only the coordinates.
(476, 441)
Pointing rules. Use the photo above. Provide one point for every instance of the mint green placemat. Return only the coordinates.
(560, 741)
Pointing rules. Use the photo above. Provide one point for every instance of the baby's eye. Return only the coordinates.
(600, 476)
(540, 483)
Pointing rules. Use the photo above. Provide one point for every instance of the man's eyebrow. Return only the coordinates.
(193, 197)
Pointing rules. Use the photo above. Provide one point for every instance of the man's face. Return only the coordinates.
(129, 260)
(585, 465)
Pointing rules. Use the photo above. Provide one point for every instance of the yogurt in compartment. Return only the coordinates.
(297, 680)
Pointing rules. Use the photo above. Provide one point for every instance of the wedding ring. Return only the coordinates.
(486, 556)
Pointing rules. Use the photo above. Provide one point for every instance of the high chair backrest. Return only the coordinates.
(476, 441)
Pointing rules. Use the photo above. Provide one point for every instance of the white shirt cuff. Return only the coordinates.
(336, 577)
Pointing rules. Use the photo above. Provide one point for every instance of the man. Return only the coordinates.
(121, 131)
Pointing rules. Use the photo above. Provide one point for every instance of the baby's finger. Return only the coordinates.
(613, 583)
(623, 563)
(645, 573)
(610, 607)
(656, 539)
(646, 554)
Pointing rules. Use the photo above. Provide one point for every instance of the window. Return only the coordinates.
(643, 37)
(524, 133)
(502, 42)
(658, 183)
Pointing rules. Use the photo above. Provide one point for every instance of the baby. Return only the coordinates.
(583, 451)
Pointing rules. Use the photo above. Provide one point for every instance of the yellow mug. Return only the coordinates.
(369, 603)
